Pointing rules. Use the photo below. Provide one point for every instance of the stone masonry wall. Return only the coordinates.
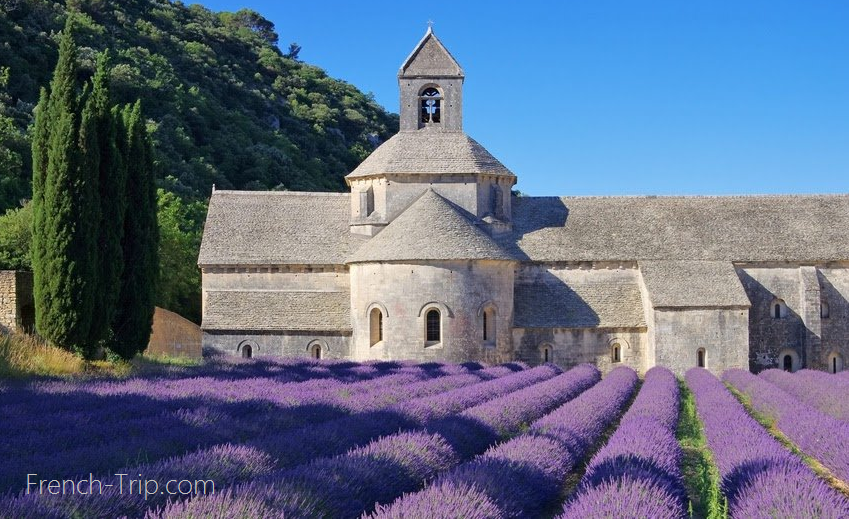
(769, 337)
(572, 346)
(835, 327)
(282, 344)
(722, 332)
(458, 289)
(16, 303)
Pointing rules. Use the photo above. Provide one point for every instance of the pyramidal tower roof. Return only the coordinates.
(430, 151)
(432, 228)
(430, 58)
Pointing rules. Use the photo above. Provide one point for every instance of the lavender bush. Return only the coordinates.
(816, 388)
(815, 433)
(103, 441)
(349, 484)
(760, 478)
(640, 463)
(380, 395)
(523, 476)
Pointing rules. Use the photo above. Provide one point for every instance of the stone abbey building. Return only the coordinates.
(430, 257)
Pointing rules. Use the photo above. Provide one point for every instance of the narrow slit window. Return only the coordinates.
(701, 358)
(375, 326)
(616, 353)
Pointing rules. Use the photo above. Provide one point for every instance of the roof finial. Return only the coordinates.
(430, 26)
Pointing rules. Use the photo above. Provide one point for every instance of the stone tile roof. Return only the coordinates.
(608, 303)
(277, 310)
(277, 227)
(430, 58)
(682, 283)
(430, 151)
(733, 228)
(432, 228)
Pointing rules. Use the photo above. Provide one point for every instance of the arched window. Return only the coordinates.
(835, 362)
(431, 103)
(432, 326)
(787, 363)
(700, 358)
(779, 309)
(546, 354)
(616, 352)
(247, 351)
(489, 325)
(824, 309)
(375, 326)
(315, 351)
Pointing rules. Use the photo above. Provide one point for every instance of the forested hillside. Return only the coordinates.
(225, 106)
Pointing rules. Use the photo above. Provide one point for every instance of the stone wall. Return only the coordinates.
(835, 327)
(458, 289)
(722, 332)
(572, 346)
(771, 338)
(17, 312)
(281, 344)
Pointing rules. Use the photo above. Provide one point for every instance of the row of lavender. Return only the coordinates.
(523, 477)
(229, 464)
(826, 392)
(103, 433)
(638, 472)
(815, 433)
(350, 484)
(760, 477)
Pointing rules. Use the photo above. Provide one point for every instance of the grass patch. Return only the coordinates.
(769, 423)
(25, 356)
(701, 477)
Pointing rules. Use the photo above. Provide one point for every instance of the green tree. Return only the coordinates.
(140, 242)
(65, 205)
(105, 161)
(180, 229)
(14, 168)
(16, 238)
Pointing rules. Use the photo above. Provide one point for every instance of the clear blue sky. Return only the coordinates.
(598, 97)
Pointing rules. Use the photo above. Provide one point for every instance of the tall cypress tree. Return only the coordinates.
(64, 245)
(140, 242)
(106, 162)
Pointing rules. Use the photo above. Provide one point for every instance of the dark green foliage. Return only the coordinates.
(223, 104)
(218, 91)
(140, 243)
(108, 166)
(15, 238)
(180, 231)
(64, 248)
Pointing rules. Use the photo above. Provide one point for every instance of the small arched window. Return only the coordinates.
(432, 326)
(701, 360)
(824, 309)
(779, 309)
(247, 351)
(835, 362)
(546, 353)
(431, 106)
(315, 351)
(787, 363)
(616, 352)
(375, 326)
(489, 325)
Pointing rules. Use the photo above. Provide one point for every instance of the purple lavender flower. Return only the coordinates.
(748, 457)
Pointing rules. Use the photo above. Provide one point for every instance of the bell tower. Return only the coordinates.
(431, 84)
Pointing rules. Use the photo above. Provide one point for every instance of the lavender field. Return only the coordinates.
(238, 438)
